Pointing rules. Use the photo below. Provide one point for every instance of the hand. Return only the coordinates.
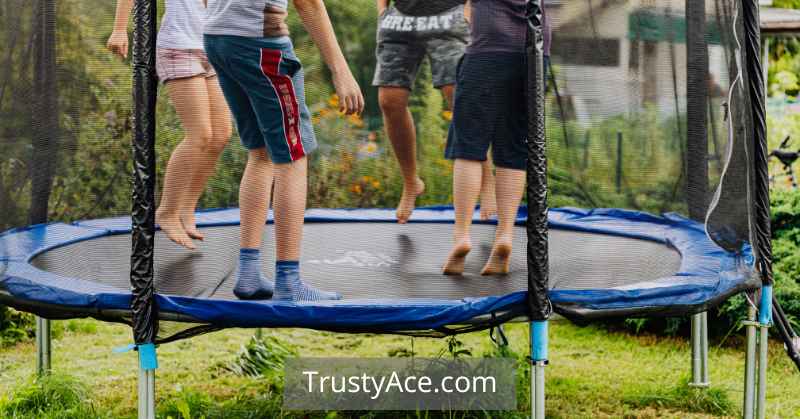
(351, 101)
(118, 44)
(381, 11)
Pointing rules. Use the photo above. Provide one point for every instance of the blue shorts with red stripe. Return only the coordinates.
(262, 80)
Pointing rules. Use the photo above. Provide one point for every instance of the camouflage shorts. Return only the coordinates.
(404, 41)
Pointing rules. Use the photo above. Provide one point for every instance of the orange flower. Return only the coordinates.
(355, 120)
(333, 101)
(447, 115)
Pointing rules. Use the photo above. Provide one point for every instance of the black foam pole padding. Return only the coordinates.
(755, 88)
(697, 77)
(538, 302)
(45, 141)
(145, 85)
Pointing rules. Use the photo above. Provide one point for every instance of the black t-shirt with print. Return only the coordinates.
(425, 7)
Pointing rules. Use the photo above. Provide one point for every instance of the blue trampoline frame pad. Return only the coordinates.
(707, 275)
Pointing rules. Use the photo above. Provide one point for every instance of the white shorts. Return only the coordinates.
(174, 64)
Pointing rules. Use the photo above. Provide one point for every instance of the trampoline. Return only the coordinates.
(605, 262)
(653, 122)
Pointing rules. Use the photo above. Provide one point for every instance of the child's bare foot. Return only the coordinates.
(457, 258)
(488, 203)
(500, 260)
(408, 201)
(190, 226)
(173, 228)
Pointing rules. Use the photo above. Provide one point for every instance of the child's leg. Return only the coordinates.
(510, 184)
(466, 187)
(488, 204)
(488, 193)
(190, 98)
(265, 93)
(220, 119)
(291, 184)
(254, 194)
(402, 134)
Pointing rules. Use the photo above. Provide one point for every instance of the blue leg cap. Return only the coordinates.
(765, 308)
(539, 341)
(147, 357)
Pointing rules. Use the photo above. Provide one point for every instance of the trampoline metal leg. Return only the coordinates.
(700, 350)
(750, 366)
(538, 332)
(43, 351)
(763, 346)
(704, 353)
(537, 390)
(764, 322)
(147, 394)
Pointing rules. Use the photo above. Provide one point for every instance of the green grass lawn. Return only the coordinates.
(592, 374)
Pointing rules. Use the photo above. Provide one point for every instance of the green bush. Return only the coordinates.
(786, 263)
(683, 397)
(786, 266)
(186, 405)
(14, 326)
(51, 396)
(262, 357)
(786, 251)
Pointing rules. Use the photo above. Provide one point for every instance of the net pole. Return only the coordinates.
(755, 88)
(697, 77)
(761, 209)
(143, 306)
(45, 144)
(538, 302)
(697, 103)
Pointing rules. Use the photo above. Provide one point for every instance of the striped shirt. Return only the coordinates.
(248, 18)
(182, 25)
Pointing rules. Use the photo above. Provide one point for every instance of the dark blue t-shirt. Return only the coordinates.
(501, 26)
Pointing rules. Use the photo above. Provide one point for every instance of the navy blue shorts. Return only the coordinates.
(262, 80)
(490, 110)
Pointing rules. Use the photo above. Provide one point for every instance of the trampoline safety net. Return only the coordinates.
(649, 147)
